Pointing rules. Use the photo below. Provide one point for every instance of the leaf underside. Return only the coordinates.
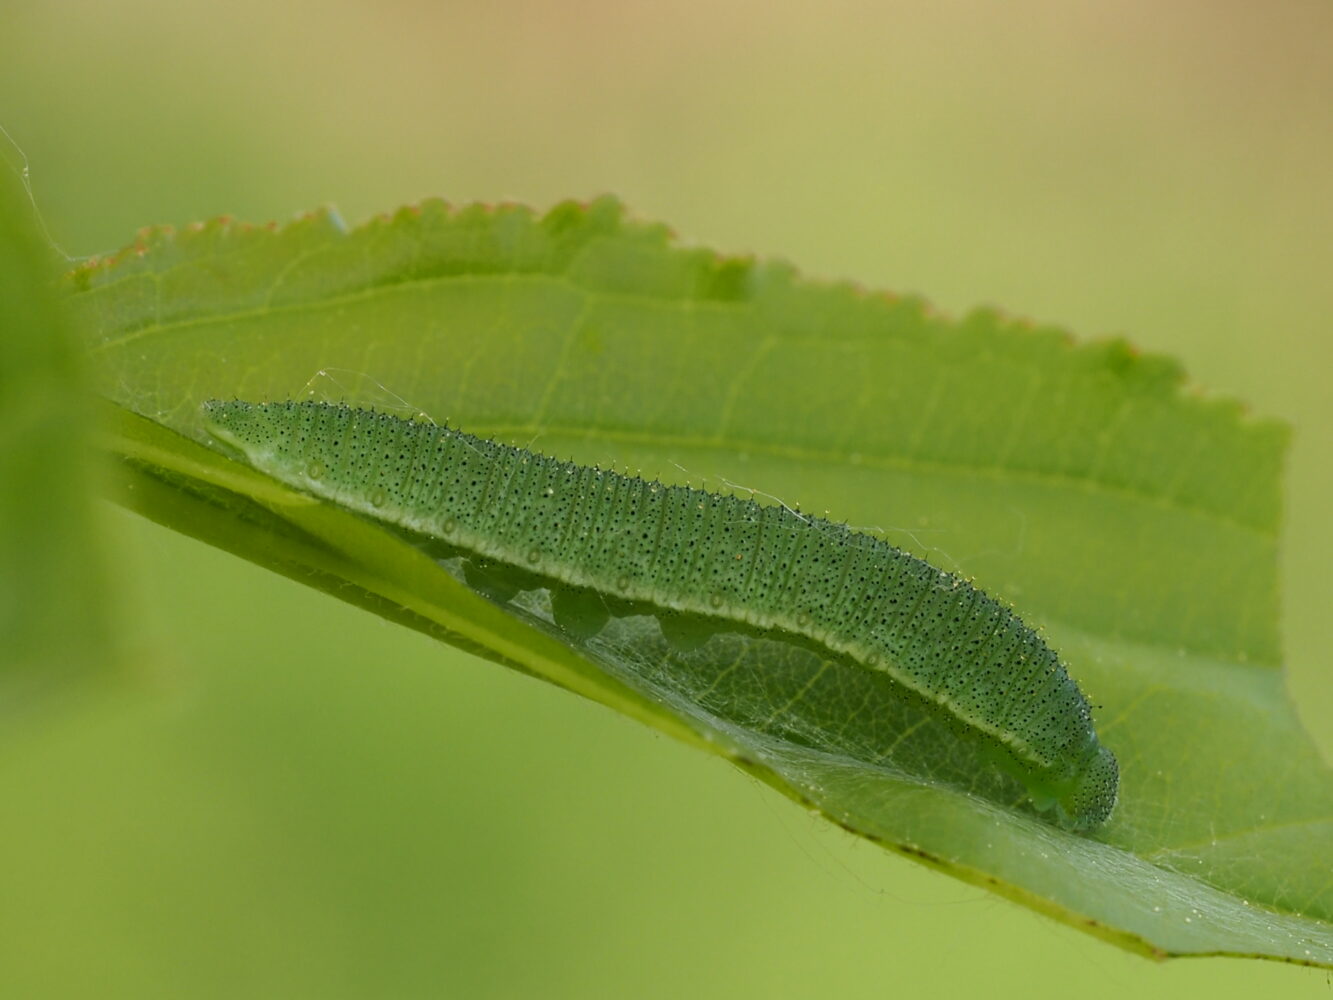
(1137, 524)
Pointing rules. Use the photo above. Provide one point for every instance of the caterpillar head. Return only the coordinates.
(247, 427)
(1089, 796)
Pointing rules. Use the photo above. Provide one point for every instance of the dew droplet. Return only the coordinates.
(315, 470)
(622, 583)
(534, 555)
(448, 526)
(715, 600)
(378, 498)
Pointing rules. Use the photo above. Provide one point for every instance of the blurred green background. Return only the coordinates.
(372, 814)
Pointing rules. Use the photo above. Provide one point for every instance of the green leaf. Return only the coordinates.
(1136, 523)
(54, 615)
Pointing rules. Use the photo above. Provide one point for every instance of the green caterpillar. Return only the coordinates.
(606, 544)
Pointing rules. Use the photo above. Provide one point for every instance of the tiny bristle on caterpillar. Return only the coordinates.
(702, 563)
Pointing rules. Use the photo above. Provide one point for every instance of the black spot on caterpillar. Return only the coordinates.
(605, 544)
